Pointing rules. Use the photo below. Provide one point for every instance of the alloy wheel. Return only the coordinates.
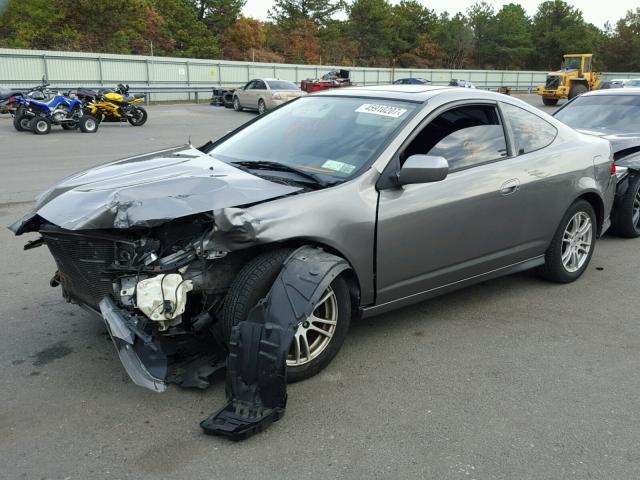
(577, 241)
(312, 337)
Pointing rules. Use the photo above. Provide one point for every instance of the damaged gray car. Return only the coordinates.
(256, 251)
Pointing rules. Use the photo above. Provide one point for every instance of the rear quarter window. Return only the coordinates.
(530, 132)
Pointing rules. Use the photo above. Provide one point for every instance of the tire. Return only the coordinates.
(21, 122)
(549, 102)
(262, 108)
(254, 281)
(626, 221)
(140, 118)
(227, 100)
(577, 90)
(557, 270)
(236, 104)
(40, 125)
(88, 124)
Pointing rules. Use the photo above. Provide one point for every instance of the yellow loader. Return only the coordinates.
(575, 77)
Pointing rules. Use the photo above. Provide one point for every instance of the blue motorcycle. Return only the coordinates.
(61, 109)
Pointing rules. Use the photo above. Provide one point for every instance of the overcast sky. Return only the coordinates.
(595, 11)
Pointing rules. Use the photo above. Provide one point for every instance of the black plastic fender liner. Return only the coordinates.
(256, 385)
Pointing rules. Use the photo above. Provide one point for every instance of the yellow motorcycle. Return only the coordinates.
(114, 105)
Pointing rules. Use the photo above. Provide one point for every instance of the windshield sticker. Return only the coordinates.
(339, 166)
(384, 110)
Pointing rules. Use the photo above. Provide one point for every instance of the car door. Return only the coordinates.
(436, 234)
(244, 94)
(259, 90)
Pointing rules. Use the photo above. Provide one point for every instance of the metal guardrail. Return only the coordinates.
(167, 78)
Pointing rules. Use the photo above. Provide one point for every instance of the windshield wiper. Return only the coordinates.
(281, 167)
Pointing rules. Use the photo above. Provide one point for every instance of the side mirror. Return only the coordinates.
(423, 169)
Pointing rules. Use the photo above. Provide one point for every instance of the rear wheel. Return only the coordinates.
(549, 102)
(88, 124)
(40, 125)
(21, 122)
(577, 90)
(572, 246)
(627, 216)
(318, 339)
(138, 117)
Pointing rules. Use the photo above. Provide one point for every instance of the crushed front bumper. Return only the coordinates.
(141, 357)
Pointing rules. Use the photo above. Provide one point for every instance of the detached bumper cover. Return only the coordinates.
(144, 361)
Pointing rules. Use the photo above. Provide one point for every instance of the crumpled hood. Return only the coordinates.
(148, 190)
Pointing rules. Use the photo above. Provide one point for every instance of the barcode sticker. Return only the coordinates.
(384, 110)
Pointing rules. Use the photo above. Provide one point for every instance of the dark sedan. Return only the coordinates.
(412, 81)
(614, 115)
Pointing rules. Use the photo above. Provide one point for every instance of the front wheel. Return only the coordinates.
(88, 124)
(626, 221)
(318, 339)
(138, 117)
(549, 102)
(236, 104)
(262, 108)
(40, 125)
(572, 246)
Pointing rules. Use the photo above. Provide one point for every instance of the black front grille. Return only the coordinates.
(82, 263)
(553, 82)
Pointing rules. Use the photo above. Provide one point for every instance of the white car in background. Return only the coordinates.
(263, 94)
(624, 83)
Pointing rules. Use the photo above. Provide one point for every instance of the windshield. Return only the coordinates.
(613, 113)
(282, 85)
(572, 63)
(332, 137)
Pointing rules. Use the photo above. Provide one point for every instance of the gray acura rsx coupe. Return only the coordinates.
(391, 194)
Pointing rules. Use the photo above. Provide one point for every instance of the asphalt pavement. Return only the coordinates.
(515, 378)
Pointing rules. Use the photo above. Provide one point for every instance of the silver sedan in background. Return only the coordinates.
(263, 94)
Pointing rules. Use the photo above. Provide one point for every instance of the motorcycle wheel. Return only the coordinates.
(40, 125)
(88, 124)
(20, 121)
(139, 117)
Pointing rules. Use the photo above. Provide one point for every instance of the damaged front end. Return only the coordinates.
(157, 291)
(160, 293)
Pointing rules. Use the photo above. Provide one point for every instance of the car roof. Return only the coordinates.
(613, 91)
(413, 93)
(272, 80)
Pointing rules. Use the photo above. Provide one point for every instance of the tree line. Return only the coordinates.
(337, 32)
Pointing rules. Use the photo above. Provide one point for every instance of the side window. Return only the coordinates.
(259, 85)
(465, 136)
(249, 85)
(587, 65)
(530, 132)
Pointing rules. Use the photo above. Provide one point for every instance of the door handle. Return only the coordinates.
(510, 186)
